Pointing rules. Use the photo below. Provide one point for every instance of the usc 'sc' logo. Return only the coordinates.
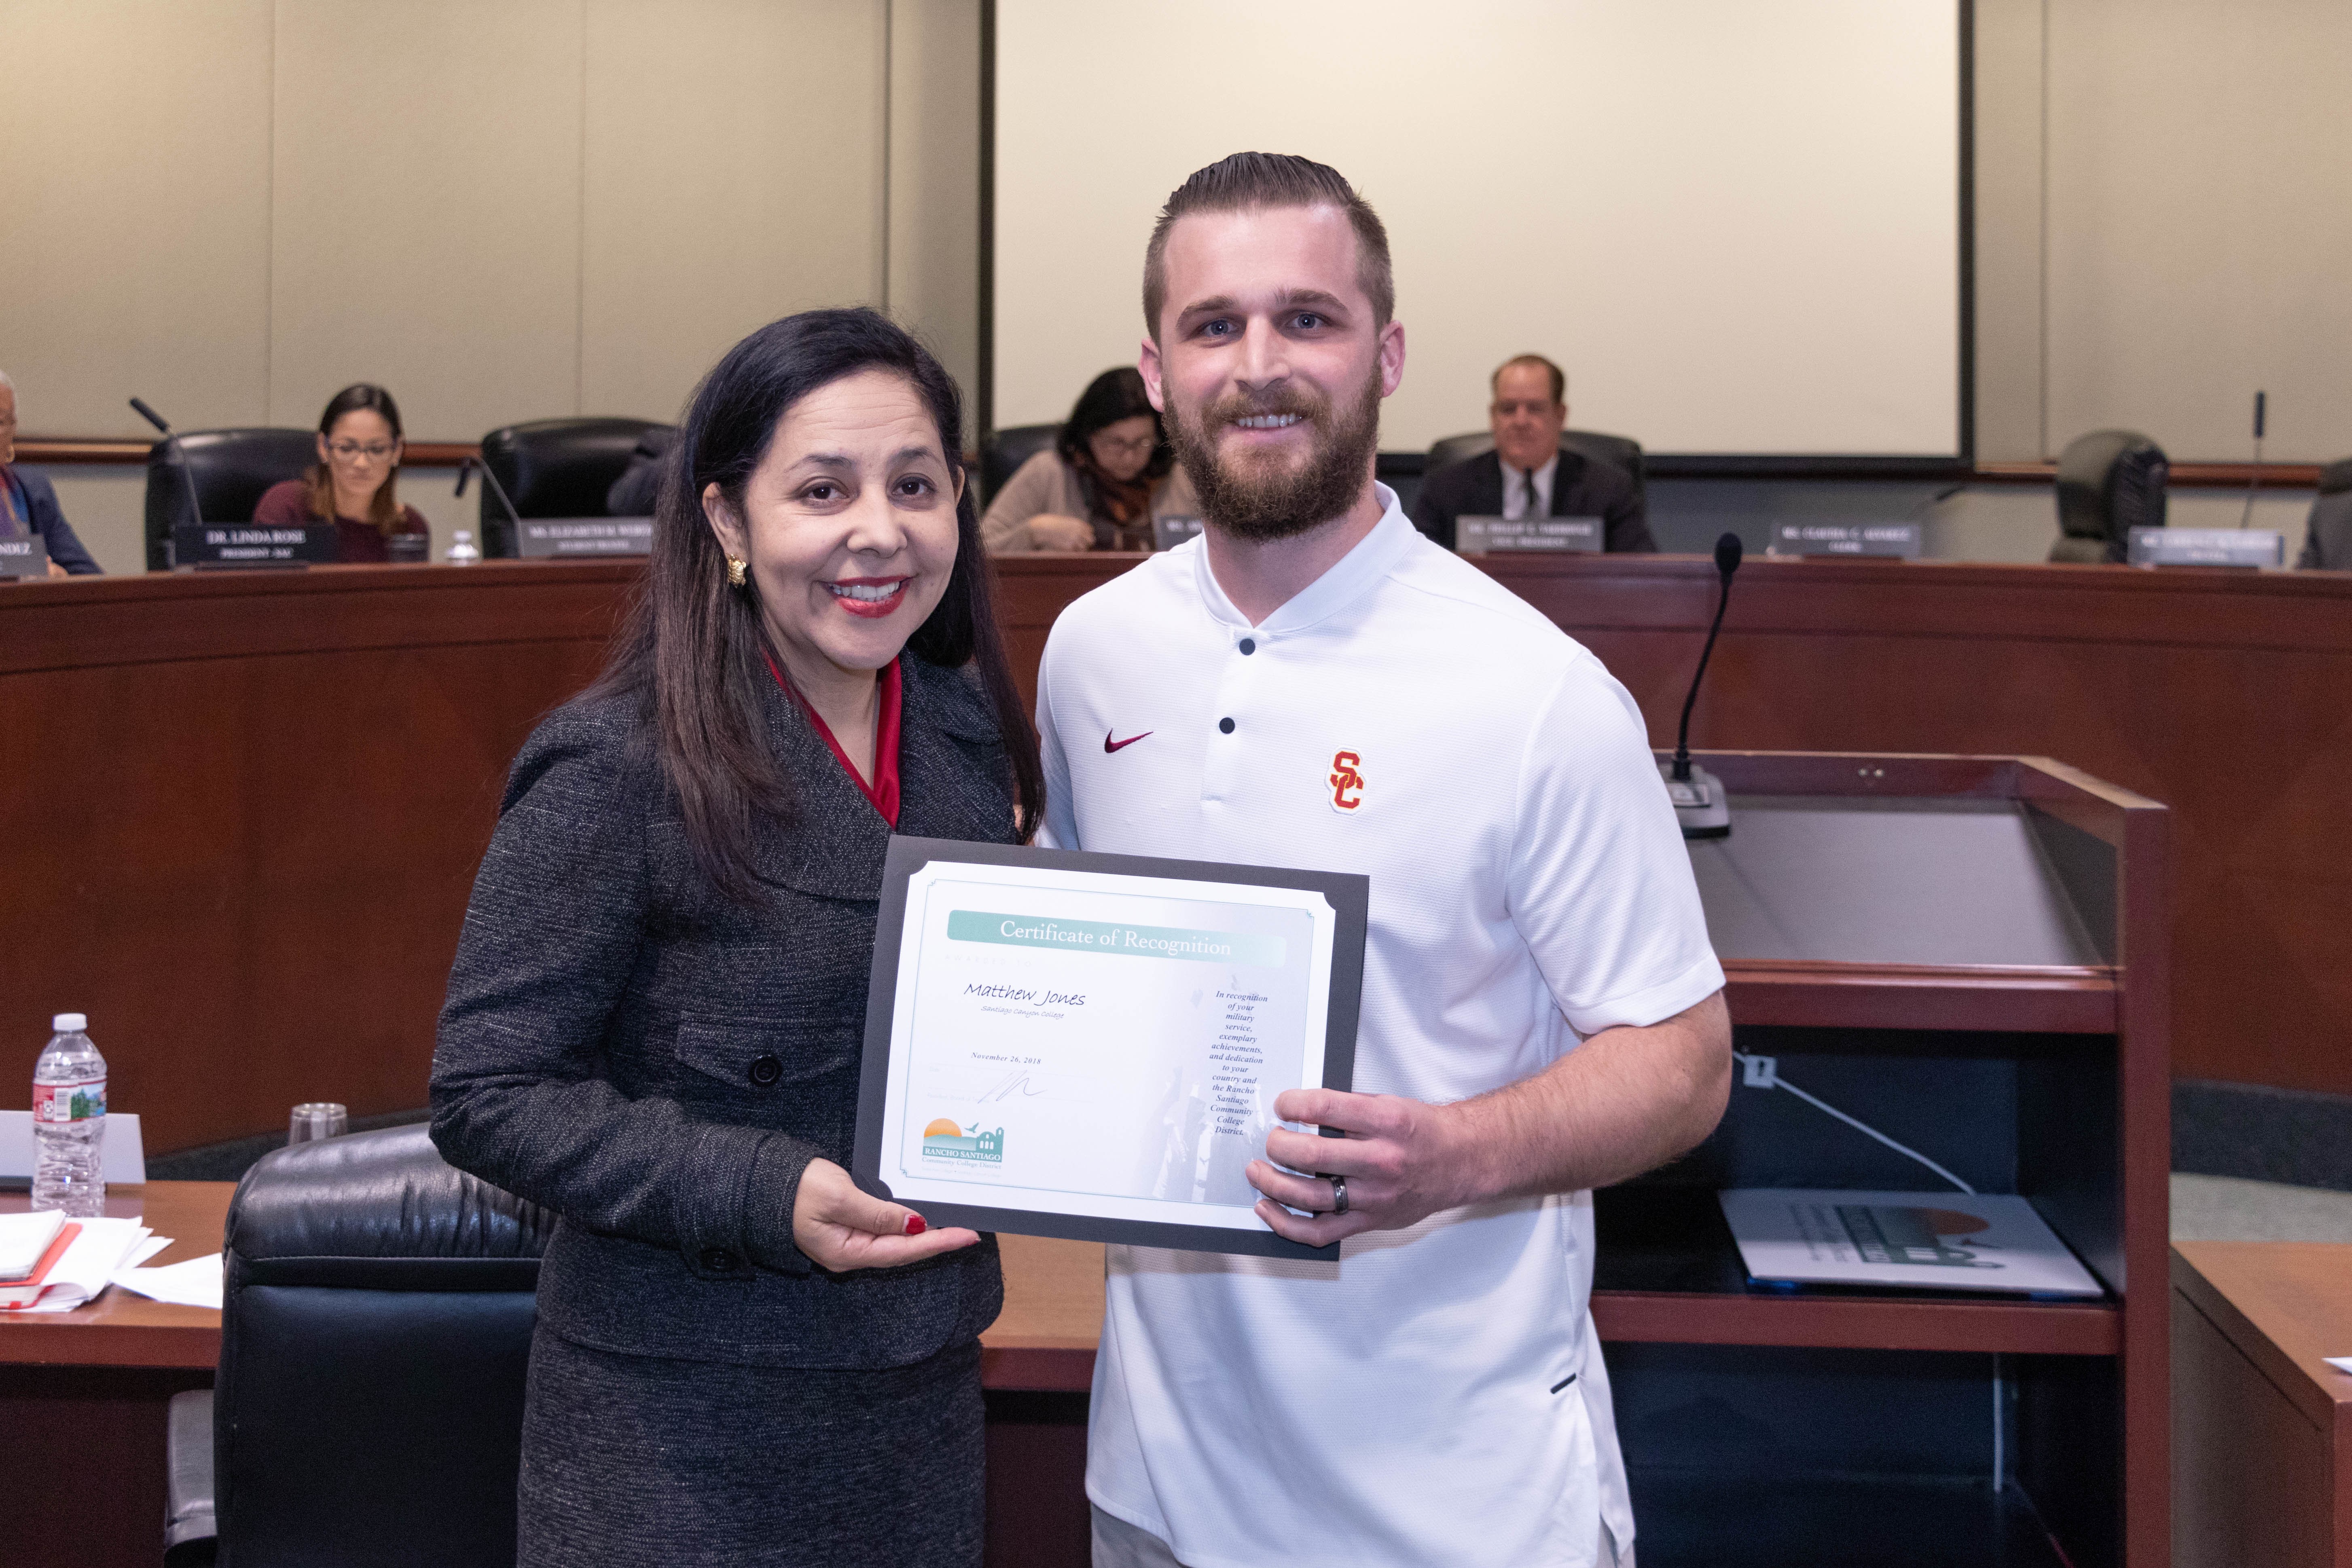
(1347, 783)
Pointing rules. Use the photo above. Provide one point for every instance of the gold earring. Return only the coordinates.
(735, 572)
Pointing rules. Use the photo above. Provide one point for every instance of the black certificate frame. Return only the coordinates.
(1349, 896)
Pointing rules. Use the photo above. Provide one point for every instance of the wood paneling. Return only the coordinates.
(250, 813)
(2219, 694)
(254, 803)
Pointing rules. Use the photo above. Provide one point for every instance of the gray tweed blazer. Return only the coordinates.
(657, 1065)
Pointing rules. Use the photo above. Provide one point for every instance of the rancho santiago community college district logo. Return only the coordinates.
(943, 1140)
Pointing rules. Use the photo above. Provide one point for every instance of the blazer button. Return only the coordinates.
(765, 1070)
(718, 1260)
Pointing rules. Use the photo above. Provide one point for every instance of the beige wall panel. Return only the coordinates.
(934, 285)
(427, 210)
(1735, 225)
(105, 506)
(134, 174)
(2009, 230)
(2200, 216)
(734, 174)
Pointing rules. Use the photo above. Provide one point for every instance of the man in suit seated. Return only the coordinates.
(1528, 473)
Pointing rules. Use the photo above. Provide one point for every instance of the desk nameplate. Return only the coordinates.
(227, 546)
(1571, 536)
(1168, 533)
(2242, 547)
(577, 538)
(25, 558)
(1893, 541)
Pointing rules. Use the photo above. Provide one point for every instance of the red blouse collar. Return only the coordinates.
(884, 790)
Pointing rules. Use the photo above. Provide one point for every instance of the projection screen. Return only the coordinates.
(1736, 223)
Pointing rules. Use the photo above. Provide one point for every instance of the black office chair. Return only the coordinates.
(1618, 451)
(2328, 546)
(375, 1332)
(553, 468)
(638, 489)
(2109, 482)
(1006, 450)
(231, 469)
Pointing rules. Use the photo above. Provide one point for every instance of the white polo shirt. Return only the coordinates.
(1407, 718)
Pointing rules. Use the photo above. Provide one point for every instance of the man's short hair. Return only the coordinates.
(1251, 180)
(1559, 376)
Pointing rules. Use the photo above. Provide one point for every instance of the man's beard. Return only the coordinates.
(1264, 500)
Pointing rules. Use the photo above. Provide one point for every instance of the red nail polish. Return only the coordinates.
(915, 1225)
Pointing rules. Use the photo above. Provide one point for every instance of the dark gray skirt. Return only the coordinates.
(637, 1460)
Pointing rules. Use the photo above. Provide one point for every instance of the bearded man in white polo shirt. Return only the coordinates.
(1313, 684)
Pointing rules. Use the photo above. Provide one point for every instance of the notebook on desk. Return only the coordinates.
(1923, 1241)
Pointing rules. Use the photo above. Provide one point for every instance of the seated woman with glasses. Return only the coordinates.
(351, 484)
(1102, 484)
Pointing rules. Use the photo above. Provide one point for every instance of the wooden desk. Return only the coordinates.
(120, 1328)
(94, 1383)
(2262, 1433)
(263, 796)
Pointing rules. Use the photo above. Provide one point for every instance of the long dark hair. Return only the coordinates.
(383, 507)
(694, 652)
(1113, 395)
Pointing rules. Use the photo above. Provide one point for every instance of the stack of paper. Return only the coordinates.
(103, 1247)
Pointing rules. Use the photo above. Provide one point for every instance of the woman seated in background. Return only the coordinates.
(28, 502)
(1100, 485)
(351, 485)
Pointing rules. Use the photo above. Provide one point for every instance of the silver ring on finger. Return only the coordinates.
(1339, 1194)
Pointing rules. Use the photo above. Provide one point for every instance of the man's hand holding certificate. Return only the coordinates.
(1093, 1045)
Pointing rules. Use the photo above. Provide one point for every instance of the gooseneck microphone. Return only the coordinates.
(2254, 478)
(496, 489)
(1727, 552)
(1697, 795)
(171, 439)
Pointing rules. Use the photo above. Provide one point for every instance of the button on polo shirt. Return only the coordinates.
(1407, 718)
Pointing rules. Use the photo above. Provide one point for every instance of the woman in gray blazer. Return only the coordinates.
(655, 1018)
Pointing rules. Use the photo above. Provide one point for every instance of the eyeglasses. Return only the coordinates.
(1134, 445)
(349, 451)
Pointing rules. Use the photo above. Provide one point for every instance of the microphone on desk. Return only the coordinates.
(171, 439)
(2254, 478)
(1700, 801)
(498, 489)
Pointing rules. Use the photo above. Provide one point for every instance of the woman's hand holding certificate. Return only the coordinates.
(840, 1229)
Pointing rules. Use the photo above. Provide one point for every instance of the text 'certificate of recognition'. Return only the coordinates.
(1089, 1045)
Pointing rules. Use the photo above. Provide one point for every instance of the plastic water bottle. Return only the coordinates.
(69, 1121)
(463, 552)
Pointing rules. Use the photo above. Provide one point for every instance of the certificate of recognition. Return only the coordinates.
(1089, 1045)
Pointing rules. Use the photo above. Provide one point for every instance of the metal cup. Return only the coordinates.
(315, 1120)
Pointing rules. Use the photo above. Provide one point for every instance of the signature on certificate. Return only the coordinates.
(1016, 1081)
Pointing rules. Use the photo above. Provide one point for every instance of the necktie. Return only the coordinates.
(1527, 504)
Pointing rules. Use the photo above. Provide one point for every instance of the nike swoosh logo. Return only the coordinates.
(1111, 745)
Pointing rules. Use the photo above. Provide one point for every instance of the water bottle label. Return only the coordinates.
(57, 1103)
